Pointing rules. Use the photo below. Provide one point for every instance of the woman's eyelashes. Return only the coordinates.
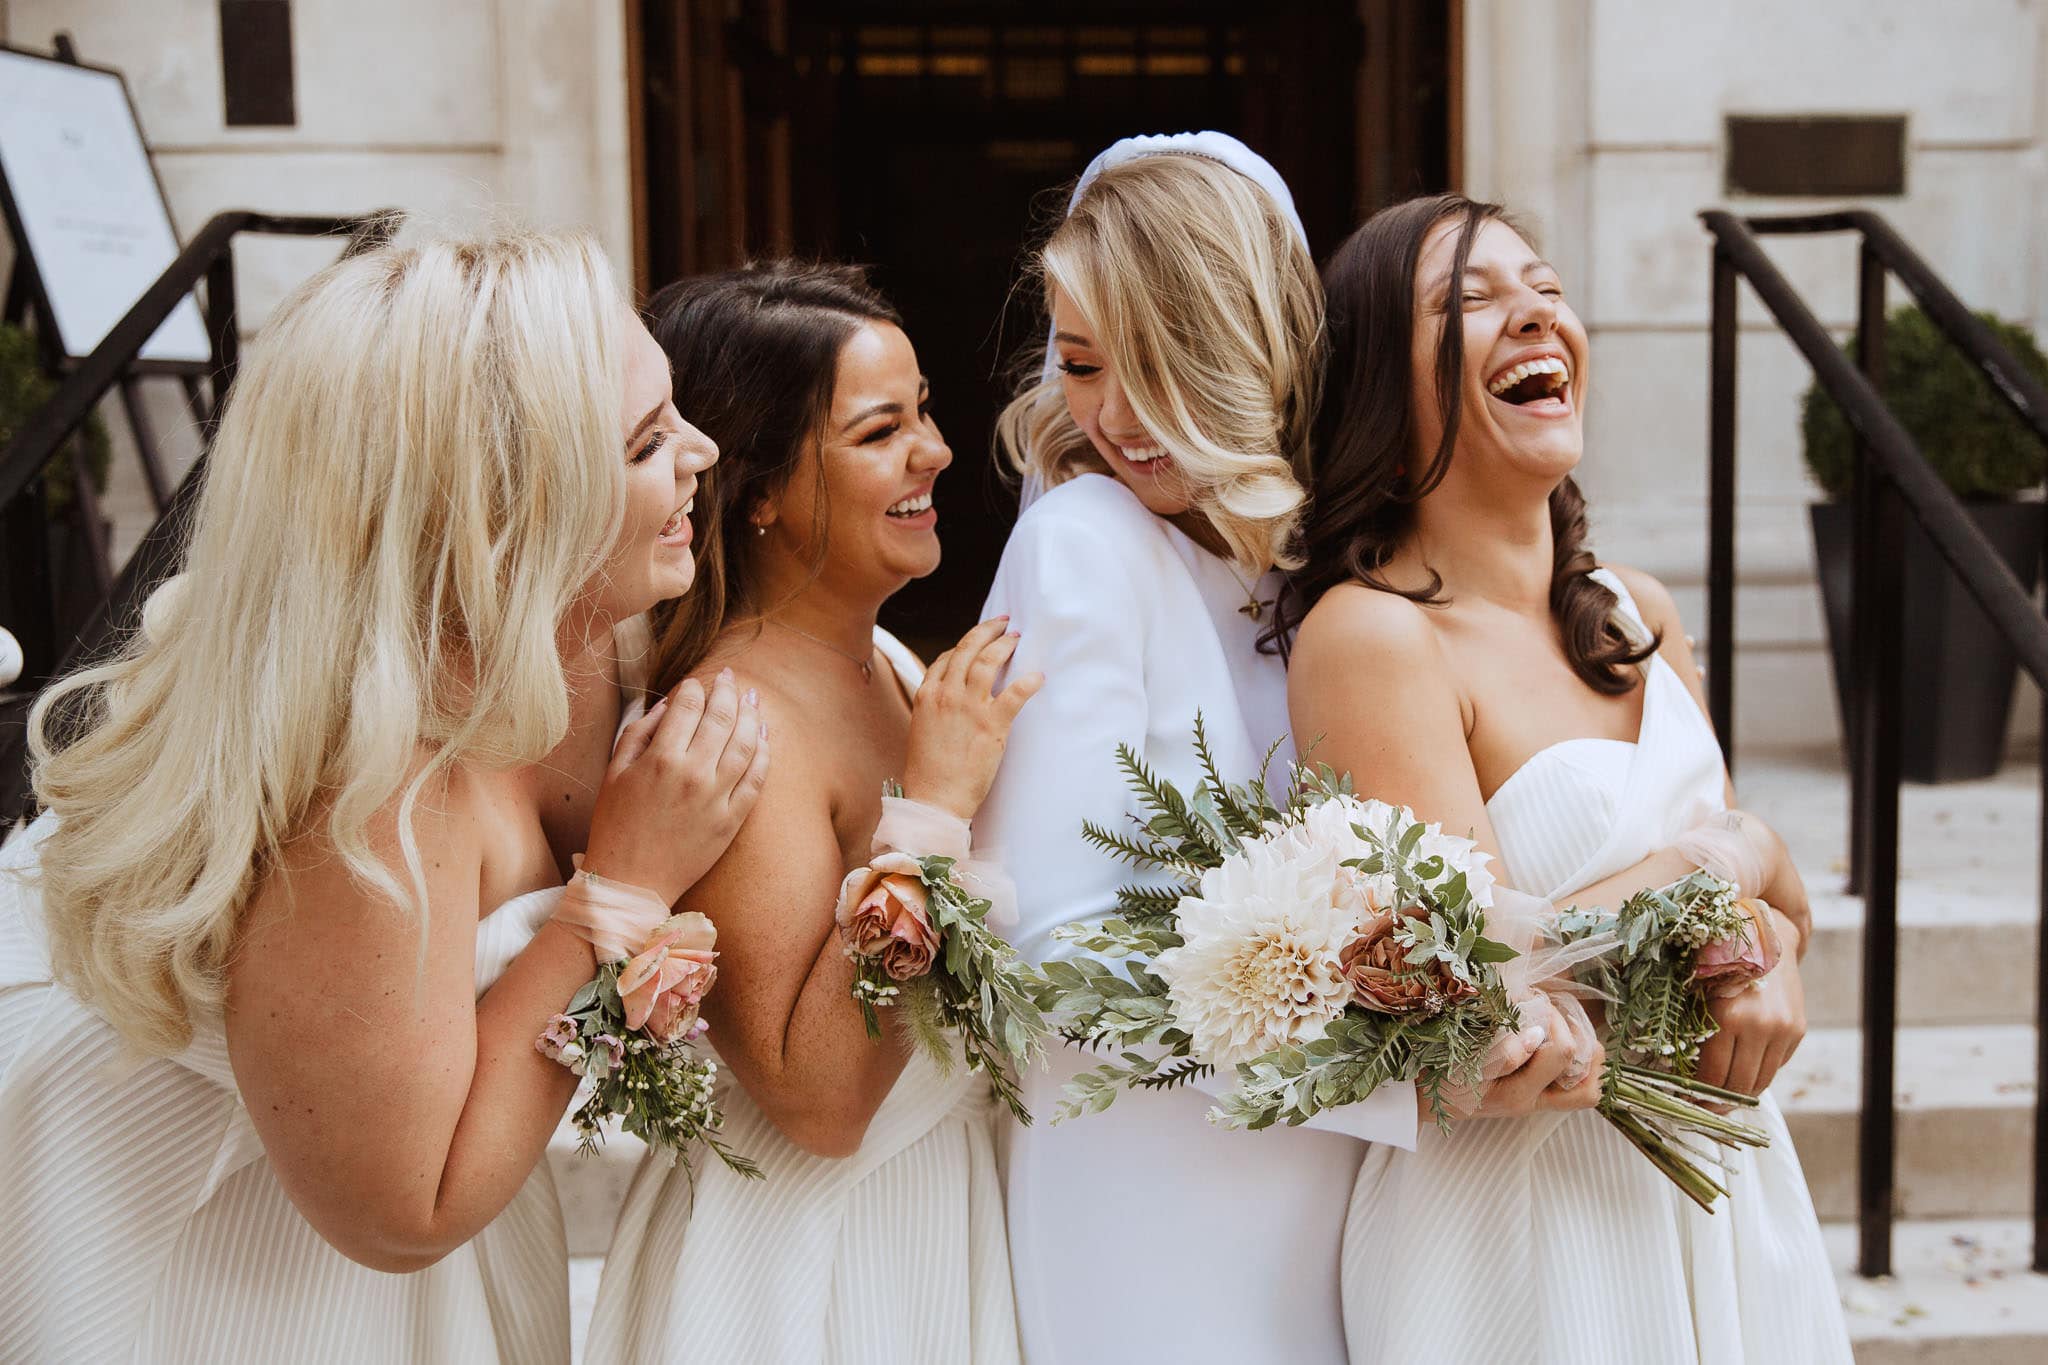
(1078, 369)
(654, 443)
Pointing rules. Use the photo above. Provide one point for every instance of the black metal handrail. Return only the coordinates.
(1892, 478)
(210, 255)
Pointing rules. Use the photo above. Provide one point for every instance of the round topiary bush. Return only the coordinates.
(1975, 442)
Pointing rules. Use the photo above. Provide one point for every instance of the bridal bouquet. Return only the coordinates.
(630, 1033)
(1677, 946)
(917, 929)
(1317, 948)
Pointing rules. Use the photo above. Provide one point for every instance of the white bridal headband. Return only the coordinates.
(1210, 145)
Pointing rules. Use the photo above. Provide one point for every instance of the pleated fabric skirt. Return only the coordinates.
(141, 1222)
(892, 1256)
(1549, 1240)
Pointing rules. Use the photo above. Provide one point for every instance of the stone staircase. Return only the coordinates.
(1965, 1069)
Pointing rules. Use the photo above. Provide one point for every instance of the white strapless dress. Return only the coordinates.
(893, 1256)
(1549, 1239)
(143, 1223)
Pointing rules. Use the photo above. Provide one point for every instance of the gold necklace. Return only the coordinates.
(866, 666)
(1252, 607)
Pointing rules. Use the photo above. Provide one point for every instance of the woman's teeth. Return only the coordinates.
(677, 519)
(910, 507)
(1550, 374)
(1144, 454)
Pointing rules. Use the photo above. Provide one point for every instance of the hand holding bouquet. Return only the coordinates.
(1678, 946)
(1317, 949)
(917, 928)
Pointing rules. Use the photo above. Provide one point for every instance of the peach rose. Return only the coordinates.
(884, 912)
(1729, 965)
(663, 984)
(1373, 964)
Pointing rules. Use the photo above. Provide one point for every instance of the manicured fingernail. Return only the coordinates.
(1013, 635)
(764, 734)
(725, 675)
(753, 697)
(1535, 1036)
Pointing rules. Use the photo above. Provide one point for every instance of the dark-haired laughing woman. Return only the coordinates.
(1464, 653)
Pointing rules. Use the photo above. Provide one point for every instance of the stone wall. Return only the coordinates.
(1602, 121)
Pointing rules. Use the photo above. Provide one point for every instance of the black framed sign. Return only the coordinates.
(85, 207)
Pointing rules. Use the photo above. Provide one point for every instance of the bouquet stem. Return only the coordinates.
(1658, 1111)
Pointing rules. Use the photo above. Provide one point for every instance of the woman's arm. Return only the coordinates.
(783, 1016)
(1369, 685)
(401, 1112)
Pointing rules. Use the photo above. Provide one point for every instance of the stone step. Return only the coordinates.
(592, 1187)
(1960, 1292)
(1965, 1119)
(1966, 957)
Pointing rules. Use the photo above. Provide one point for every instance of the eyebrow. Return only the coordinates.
(924, 387)
(646, 422)
(1073, 340)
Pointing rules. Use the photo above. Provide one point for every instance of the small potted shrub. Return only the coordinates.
(1959, 674)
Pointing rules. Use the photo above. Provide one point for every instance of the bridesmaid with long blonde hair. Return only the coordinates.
(273, 963)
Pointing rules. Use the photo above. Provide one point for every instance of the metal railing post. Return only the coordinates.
(1880, 594)
(1721, 511)
(1870, 337)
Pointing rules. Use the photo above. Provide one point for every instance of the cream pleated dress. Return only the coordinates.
(1548, 1239)
(892, 1256)
(141, 1222)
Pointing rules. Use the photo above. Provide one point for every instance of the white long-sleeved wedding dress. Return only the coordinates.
(1147, 1233)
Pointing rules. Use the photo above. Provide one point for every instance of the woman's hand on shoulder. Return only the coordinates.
(960, 724)
(682, 780)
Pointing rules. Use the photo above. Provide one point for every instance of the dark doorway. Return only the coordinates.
(935, 141)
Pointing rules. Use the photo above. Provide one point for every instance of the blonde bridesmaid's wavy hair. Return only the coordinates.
(1208, 306)
(416, 474)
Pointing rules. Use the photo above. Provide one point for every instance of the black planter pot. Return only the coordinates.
(1959, 674)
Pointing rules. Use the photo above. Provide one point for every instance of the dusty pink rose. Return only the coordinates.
(664, 983)
(884, 912)
(1373, 964)
(1728, 965)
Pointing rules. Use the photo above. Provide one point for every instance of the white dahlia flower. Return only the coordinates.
(1259, 968)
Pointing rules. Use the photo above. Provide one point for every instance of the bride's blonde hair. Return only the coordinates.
(416, 474)
(1207, 304)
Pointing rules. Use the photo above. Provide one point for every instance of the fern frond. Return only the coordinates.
(1171, 1076)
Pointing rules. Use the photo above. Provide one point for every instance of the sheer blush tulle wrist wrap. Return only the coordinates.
(614, 918)
(921, 831)
(1716, 846)
(1541, 972)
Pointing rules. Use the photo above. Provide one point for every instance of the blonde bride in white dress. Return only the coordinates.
(1141, 582)
(273, 962)
(1463, 653)
(877, 1235)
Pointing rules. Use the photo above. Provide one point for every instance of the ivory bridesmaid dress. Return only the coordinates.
(892, 1256)
(142, 1221)
(1548, 1239)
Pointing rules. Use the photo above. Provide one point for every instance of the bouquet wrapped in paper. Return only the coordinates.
(917, 926)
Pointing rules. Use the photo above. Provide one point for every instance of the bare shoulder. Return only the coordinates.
(1653, 599)
(1355, 624)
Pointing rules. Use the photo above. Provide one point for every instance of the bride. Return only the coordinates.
(878, 1233)
(1180, 380)
(1463, 653)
